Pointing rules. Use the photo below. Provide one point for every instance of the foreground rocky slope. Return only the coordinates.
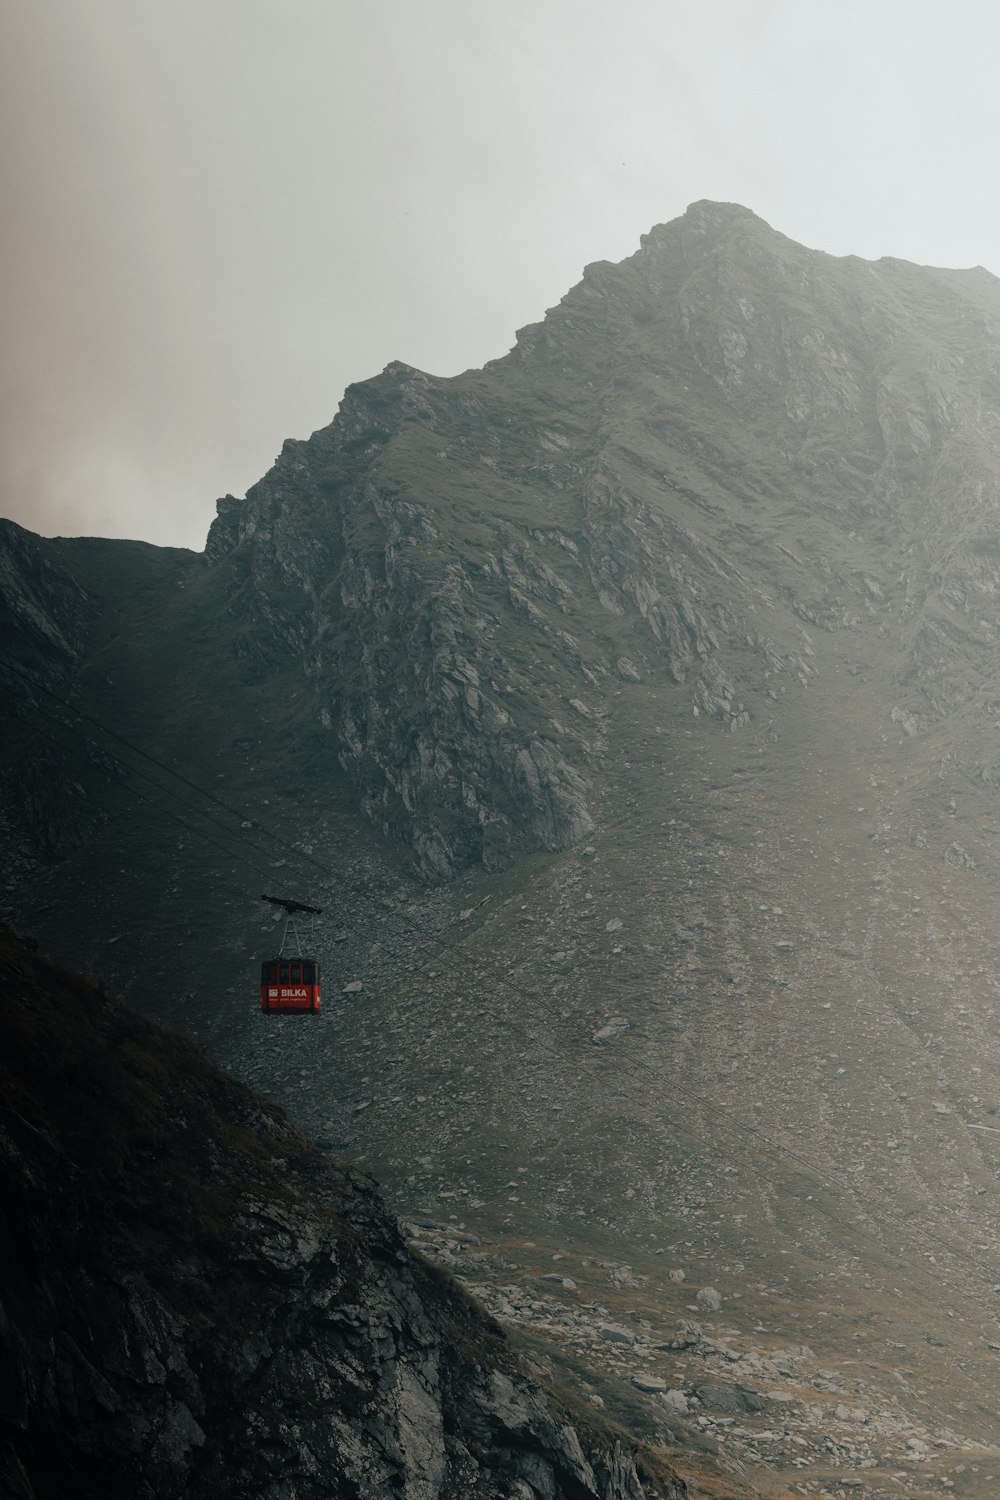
(194, 1301)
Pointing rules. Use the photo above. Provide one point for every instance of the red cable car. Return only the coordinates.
(290, 983)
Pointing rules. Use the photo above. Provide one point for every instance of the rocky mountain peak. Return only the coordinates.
(711, 214)
(710, 220)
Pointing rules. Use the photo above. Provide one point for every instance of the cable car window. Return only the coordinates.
(284, 973)
(308, 973)
(296, 974)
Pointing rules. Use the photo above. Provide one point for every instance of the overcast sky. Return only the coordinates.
(216, 214)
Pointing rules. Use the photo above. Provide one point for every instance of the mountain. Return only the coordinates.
(629, 706)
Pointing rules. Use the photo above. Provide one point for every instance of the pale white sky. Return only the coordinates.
(218, 213)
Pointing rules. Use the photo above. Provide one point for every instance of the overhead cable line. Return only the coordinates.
(161, 765)
(140, 796)
(816, 1172)
(135, 771)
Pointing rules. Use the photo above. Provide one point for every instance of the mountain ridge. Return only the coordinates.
(630, 706)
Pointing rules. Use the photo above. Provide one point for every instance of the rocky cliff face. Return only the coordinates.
(702, 458)
(195, 1302)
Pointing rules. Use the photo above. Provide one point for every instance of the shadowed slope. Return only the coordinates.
(194, 1301)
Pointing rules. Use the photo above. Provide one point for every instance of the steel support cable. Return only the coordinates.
(784, 1153)
(238, 835)
(141, 797)
(233, 833)
(186, 781)
(772, 1148)
(817, 1173)
(161, 765)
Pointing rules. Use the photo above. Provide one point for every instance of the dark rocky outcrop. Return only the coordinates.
(194, 1301)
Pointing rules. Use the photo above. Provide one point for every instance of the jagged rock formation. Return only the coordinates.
(616, 488)
(193, 1301)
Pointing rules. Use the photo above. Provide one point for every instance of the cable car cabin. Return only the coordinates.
(289, 984)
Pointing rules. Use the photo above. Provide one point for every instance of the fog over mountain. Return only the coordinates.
(629, 706)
